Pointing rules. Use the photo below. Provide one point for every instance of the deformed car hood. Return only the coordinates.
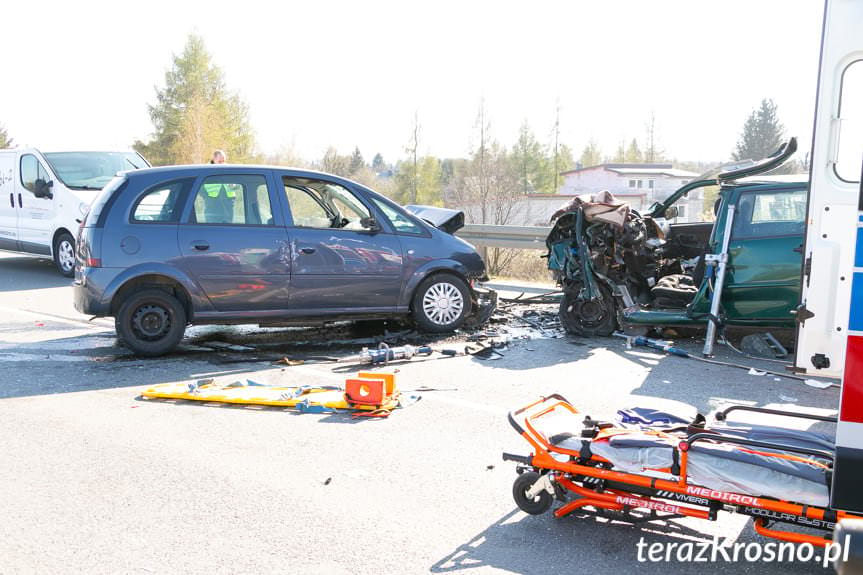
(445, 219)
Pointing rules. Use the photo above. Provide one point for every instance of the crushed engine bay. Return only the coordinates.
(600, 249)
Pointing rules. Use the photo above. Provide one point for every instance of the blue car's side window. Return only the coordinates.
(161, 203)
(400, 222)
(323, 204)
(232, 199)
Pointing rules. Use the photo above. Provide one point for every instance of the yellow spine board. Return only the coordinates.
(276, 396)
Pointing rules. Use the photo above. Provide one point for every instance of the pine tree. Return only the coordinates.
(530, 160)
(591, 155)
(633, 153)
(378, 164)
(357, 161)
(195, 114)
(762, 133)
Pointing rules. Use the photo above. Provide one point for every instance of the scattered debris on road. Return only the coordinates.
(672, 350)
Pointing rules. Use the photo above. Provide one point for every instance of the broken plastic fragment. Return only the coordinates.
(288, 361)
(753, 371)
(818, 384)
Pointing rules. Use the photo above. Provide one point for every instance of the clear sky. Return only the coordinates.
(80, 74)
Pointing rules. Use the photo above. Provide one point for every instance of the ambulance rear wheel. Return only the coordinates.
(536, 506)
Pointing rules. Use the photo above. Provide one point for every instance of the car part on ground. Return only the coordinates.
(670, 349)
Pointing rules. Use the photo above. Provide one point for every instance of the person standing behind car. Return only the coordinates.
(219, 200)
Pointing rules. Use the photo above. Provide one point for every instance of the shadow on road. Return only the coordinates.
(591, 542)
(20, 273)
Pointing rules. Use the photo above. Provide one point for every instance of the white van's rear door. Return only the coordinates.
(8, 202)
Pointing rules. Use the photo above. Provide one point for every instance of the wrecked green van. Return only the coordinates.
(621, 270)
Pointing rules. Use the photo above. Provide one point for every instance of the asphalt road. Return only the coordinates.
(95, 479)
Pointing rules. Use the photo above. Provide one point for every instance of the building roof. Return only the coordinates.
(673, 172)
(638, 169)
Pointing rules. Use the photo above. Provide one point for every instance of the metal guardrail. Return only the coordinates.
(519, 237)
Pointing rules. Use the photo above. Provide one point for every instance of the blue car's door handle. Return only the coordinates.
(201, 246)
(307, 250)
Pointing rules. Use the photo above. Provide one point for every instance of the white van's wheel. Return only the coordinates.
(64, 254)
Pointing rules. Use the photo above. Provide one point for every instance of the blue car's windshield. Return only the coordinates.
(92, 170)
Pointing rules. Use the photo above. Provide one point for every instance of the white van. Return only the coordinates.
(44, 195)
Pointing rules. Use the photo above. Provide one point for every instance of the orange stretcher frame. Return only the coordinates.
(604, 488)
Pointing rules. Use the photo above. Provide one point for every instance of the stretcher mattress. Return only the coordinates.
(718, 466)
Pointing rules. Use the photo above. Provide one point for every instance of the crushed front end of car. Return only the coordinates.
(600, 249)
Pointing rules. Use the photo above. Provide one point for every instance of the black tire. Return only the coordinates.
(150, 322)
(536, 506)
(441, 303)
(588, 318)
(64, 254)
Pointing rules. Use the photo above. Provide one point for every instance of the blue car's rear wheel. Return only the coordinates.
(150, 322)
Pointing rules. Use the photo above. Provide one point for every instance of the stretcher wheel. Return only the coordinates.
(538, 504)
(850, 531)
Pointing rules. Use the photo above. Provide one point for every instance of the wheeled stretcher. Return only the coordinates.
(673, 467)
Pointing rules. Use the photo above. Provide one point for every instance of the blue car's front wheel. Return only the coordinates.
(441, 303)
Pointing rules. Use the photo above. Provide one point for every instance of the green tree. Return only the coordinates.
(762, 133)
(421, 184)
(195, 113)
(378, 164)
(5, 140)
(530, 161)
(591, 155)
(357, 161)
(633, 153)
(429, 182)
